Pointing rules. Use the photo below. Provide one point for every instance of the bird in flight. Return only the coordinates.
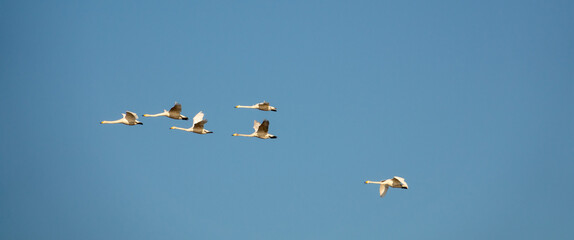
(261, 130)
(264, 106)
(197, 127)
(396, 182)
(129, 118)
(174, 113)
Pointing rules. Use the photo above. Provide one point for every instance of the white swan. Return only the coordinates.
(174, 112)
(129, 118)
(396, 182)
(197, 127)
(260, 130)
(264, 106)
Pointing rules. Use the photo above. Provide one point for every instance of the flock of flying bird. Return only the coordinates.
(261, 131)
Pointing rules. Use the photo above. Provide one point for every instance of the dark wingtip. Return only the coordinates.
(274, 110)
(185, 118)
(140, 123)
(274, 137)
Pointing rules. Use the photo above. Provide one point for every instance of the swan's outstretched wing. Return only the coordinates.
(198, 117)
(131, 117)
(200, 124)
(256, 125)
(176, 109)
(383, 190)
(263, 104)
(401, 181)
(264, 128)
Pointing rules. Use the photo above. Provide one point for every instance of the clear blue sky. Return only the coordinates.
(470, 102)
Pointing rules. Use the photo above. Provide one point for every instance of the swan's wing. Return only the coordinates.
(263, 104)
(198, 117)
(383, 190)
(199, 124)
(264, 126)
(130, 116)
(176, 109)
(401, 181)
(256, 125)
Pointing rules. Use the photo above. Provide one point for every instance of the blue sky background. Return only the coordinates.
(470, 102)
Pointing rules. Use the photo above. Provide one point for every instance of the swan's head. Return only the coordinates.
(366, 182)
(145, 115)
(172, 128)
(101, 122)
(237, 106)
(235, 134)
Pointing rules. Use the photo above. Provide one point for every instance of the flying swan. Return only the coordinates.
(264, 106)
(129, 118)
(396, 182)
(197, 127)
(260, 130)
(174, 112)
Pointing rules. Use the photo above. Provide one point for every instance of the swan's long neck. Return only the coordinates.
(178, 128)
(244, 135)
(164, 113)
(373, 182)
(240, 106)
(112, 122)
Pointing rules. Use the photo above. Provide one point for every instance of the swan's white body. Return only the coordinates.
(261, 130)
(197, 127)
(174, 113)
(396, 182)
(264, 106)
(129, 118)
